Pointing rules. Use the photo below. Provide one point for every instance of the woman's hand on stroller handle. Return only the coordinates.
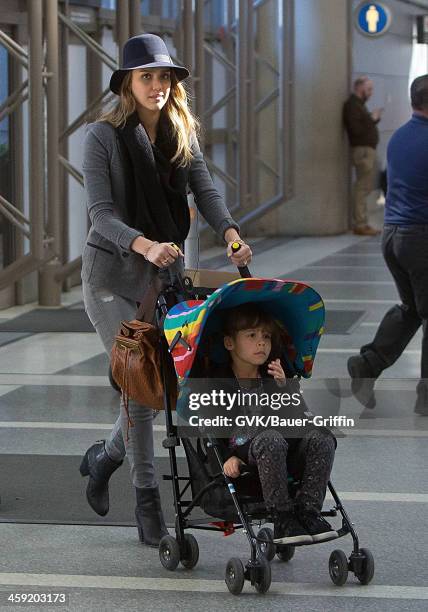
(240, 254)
(163, 254)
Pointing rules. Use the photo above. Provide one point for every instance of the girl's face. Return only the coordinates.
(151, 88)
(249, 346)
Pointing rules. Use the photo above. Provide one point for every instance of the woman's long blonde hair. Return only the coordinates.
(181, 122)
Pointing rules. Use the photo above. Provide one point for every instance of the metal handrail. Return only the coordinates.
(10, 217)
(219, 57)
(69, 268)
(221, 102)
(90, 42)
(71, 169)
(229, 180)
(267, 100)
(268, 167)
(11, 98)
(15, 211)
(14, 48)
(19, 99)
(80, 120)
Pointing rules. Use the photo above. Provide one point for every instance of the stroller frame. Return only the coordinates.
(184, 547)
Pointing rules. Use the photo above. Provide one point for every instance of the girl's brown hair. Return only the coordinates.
(180, 121)
(249, 316)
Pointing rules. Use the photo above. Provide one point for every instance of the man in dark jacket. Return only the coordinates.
(361, 126)
(405, 249)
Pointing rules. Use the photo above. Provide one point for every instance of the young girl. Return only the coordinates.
(140, 159)
(250, 335)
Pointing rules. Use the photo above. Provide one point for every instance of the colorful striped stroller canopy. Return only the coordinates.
(297, 308)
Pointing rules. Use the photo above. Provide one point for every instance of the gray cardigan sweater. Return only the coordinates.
(107, 259)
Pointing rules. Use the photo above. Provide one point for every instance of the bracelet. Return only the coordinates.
(148, 249)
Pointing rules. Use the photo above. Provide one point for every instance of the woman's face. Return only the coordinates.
(151, 88)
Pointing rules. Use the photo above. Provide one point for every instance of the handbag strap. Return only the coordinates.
(147, 306)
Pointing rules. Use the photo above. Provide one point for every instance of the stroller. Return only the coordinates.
(234, 504)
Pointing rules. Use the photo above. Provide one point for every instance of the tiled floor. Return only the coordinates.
(55, 400)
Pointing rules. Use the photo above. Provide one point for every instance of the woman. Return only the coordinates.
(139, 160)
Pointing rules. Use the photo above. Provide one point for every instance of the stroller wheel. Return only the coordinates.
(285, 552)
(234, 576)
(263, 577)
(338, 567)
(265, 539)
(367, 572)
(190, 559)
(169, 552)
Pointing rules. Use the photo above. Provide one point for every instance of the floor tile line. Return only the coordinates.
(354, 590)
(355, 267)
(384, 433)
(314, 281)
(16, 378)
(357, 350)
(52, 425)
(357, 301)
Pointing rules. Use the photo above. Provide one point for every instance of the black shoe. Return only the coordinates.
(149, 516)
(421, 408)
(317, 527)
(363, 381)
(99, 467)
(288, 530)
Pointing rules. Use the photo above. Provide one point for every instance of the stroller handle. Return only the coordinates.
(243, 270)
(245, 468)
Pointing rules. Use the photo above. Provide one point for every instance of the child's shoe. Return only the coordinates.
(319, 529)
(288, 530)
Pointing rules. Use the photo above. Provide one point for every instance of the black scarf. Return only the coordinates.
(155, 207)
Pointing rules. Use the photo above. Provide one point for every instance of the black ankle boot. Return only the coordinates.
(99, 467)
(148, 513)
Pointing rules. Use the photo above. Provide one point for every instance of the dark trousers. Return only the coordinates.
(309, 459)
(405, 250)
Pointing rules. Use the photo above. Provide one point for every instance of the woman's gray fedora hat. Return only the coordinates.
(145, 51)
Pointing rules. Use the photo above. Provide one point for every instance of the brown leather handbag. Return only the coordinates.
(136, 367)
(136, 360)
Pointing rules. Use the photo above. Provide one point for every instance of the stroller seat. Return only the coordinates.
(210, 490)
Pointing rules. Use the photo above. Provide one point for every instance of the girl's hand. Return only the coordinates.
(242, 257)
(231, 467)
(275, 370)
(163, 255)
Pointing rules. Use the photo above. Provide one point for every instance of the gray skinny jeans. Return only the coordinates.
(105, 311)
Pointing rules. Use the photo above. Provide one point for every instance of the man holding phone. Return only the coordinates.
(361, 126)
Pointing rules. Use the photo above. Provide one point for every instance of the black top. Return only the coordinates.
(360, 125)
(232, 447)
(163, 151)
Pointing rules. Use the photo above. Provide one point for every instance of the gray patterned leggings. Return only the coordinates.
(311, 461)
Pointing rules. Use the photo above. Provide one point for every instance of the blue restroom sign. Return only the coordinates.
(372, 18)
